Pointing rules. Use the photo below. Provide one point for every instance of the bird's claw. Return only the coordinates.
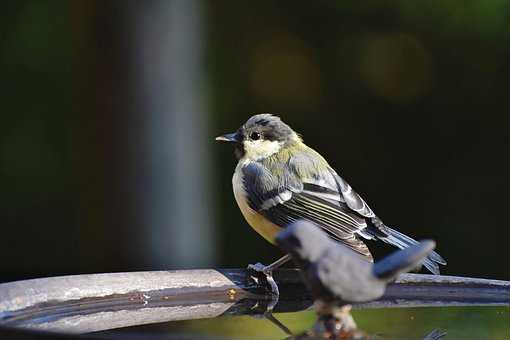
(259, 271)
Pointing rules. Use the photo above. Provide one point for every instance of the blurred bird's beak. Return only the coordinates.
(229, 138)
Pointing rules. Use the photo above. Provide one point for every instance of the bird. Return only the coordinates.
(336, 274)
(279, 180)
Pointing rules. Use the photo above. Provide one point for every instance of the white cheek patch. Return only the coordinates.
(259, 149)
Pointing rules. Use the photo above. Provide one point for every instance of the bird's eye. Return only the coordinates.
(255, 136)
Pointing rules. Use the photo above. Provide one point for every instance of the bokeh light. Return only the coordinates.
(395, 66)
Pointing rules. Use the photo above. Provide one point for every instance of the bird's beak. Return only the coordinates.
(229, 138)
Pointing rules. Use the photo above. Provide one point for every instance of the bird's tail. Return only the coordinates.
(404, 260)
(399, 240)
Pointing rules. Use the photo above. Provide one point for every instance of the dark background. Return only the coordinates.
(408, 101)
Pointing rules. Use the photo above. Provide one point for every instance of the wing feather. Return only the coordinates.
(351, 197)
(303, 199)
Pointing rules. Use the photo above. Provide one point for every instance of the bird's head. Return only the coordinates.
(304, 241)
(261, 136)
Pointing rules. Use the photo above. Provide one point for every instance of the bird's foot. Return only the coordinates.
(263, 275)
(258, 271)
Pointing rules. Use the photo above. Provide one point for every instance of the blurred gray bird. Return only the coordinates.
(279, 180)
(335, 273)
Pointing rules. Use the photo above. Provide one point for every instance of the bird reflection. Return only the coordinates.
(357, 334)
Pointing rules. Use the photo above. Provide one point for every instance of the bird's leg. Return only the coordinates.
(277, 264)
(267, 271)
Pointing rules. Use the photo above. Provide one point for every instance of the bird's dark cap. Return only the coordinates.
(270, 127)
(265, 126)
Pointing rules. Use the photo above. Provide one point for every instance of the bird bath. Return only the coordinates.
(223, 303)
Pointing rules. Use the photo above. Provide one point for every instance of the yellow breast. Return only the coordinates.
(263, 226)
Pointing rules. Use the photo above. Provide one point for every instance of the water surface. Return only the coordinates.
(387, 323)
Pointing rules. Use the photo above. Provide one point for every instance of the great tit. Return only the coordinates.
(279, 180)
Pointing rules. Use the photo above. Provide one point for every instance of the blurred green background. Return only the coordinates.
(109, 111)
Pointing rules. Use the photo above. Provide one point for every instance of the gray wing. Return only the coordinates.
(283, 197)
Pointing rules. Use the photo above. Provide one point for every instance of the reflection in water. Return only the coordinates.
(489, 323)
(337, 325)
(436, 334)
(357, 334)
(340, 325)
(278, 323)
